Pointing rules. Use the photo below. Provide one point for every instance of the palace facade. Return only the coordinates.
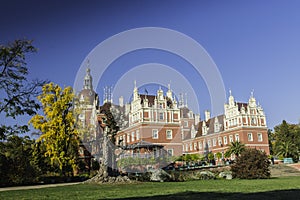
(160, 122)
(243, 122)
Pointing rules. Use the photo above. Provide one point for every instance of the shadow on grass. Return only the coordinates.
(274, 195)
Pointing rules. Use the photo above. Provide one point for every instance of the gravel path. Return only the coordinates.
(278, 170)
(36, 186)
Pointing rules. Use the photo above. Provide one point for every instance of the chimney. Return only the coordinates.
(207, 115)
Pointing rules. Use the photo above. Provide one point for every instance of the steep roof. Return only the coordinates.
(210, 125)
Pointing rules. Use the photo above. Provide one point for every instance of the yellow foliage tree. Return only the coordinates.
(57, 127)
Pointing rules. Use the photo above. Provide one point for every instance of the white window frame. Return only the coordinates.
(195, 145)
(170, 152)
(191, 146)
(214, 142)
(209, 143)
(154, 134)
(186, 123)
(132, 136)
(137, 135)
(237, 137)
(251, 137)
(169, 137)
(230, 138)
(200, 145)
(161, 116)
(128, 137)
(225, 140)
(259, 137)
(220, 141)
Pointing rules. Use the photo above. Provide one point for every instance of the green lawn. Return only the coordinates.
(275, 188)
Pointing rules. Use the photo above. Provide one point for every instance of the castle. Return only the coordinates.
(151, 123)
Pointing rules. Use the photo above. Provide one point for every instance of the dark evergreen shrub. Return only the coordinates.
(251, 164)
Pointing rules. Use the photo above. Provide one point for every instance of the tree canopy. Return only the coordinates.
(235, 148)
(286, 141)
(17, 92)
(57, 126)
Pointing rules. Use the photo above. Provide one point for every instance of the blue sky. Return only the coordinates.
(255, 44)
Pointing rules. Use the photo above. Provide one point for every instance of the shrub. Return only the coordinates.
(206, 175)
(251, 164)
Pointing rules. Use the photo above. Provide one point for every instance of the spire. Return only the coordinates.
(252, 100)
(252, 92)
(88, 80)
(231, 99)
(186, 101)
(169, 92)
(135, 91)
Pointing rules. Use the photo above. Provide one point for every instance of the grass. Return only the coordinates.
(274, 188)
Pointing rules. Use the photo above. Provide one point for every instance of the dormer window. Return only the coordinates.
(217, 127)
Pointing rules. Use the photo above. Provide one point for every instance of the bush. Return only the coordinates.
(251, 164)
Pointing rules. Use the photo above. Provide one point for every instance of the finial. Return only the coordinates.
(252, 93)
(135, 83)
(169, 86)
(230, 92)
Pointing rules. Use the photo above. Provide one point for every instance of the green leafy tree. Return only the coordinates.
(219, 155)
(235, 148)
(271, 139)
(287, 140)
(17, 92)
(251, 164)
(16, 161)
(57, 126)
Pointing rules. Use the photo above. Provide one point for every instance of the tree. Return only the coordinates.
(17, 92)
(287, 140)
(57, 126)
(271, 139)
(16, 161)
(235, 148)
(251, 164)
(110, 121)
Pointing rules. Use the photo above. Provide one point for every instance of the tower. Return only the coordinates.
(88, 80)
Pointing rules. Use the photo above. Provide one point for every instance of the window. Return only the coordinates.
(209, 143)
(186, 147)
(169, 134)
(214, 142)
(237, 137)
(155, 134)
(250, 138)
(124, 137)
(128, 137)
(259, 137)
(191, 147)
(200, 145)
(186, 124)
(161, 116)
(230, 138)
(195, 146)
(132, 136)
(220, 141)
(170, 152)
(225, 139)
(253, 120)
(137, 135)
(217, 128)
